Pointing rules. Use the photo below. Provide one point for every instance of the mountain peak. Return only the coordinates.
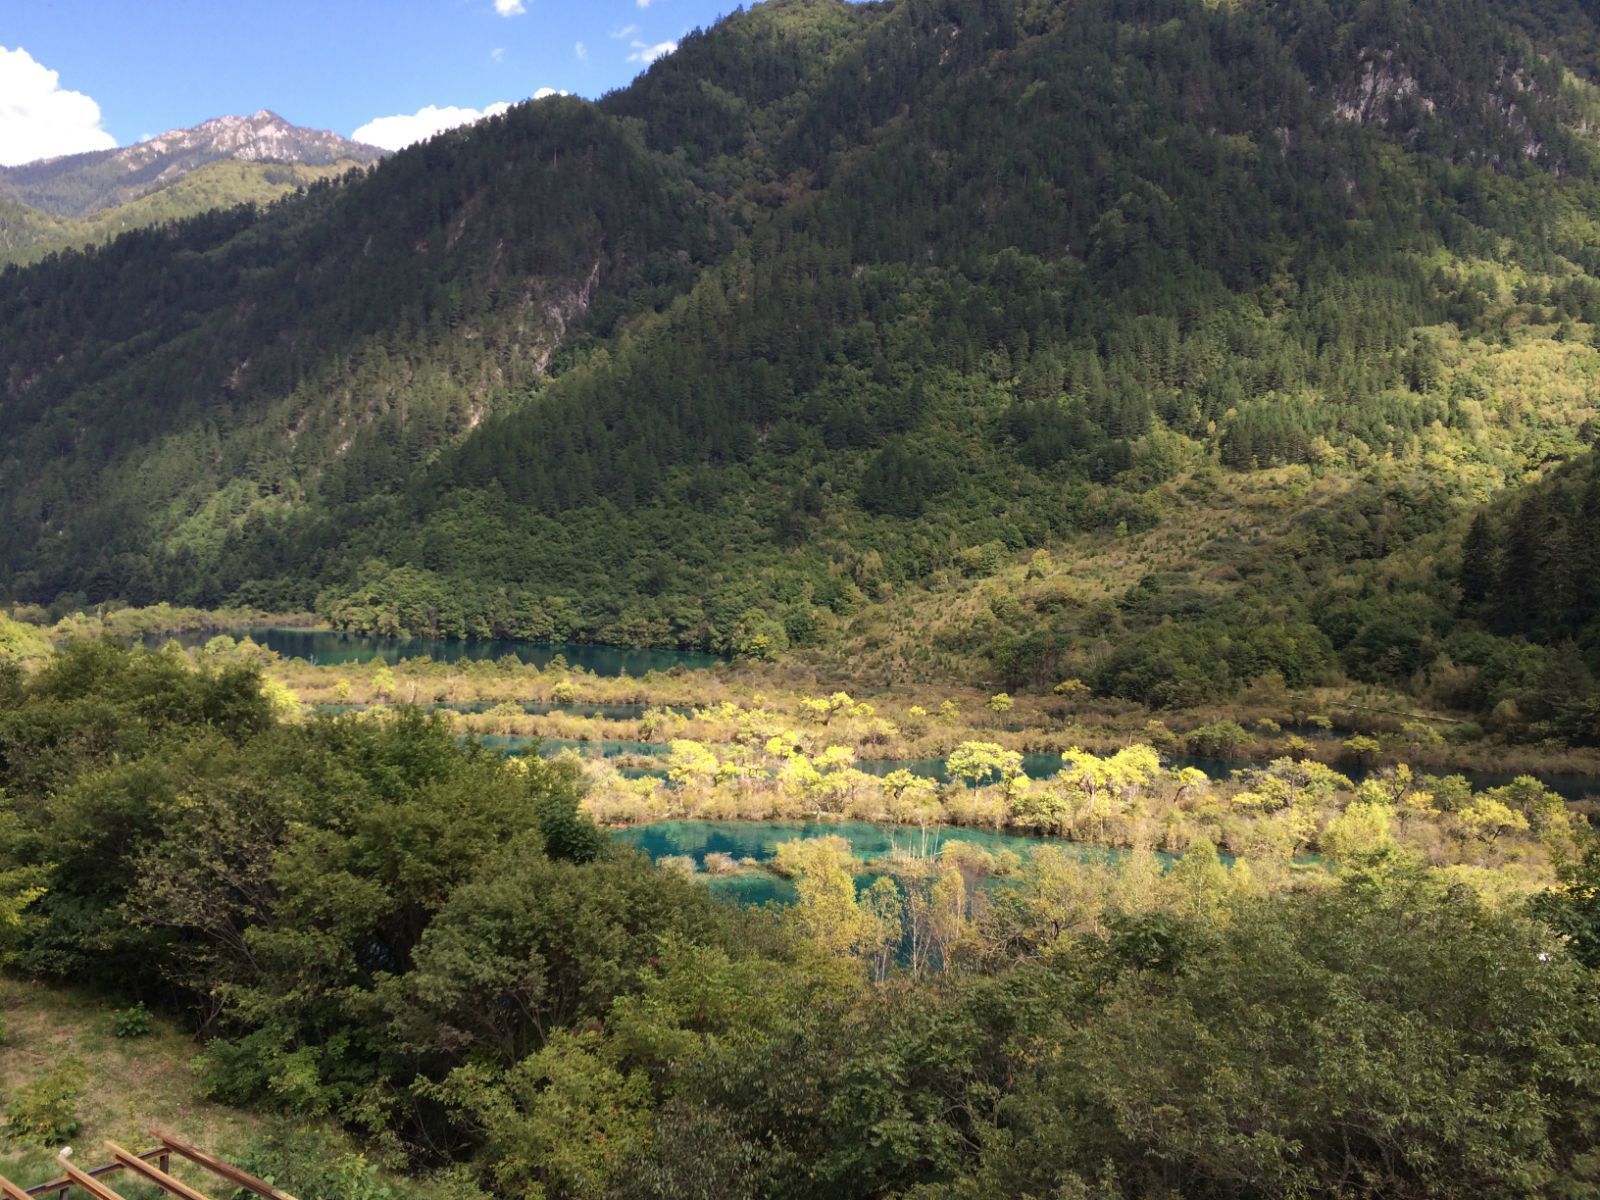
(263, 136)
(81, 184)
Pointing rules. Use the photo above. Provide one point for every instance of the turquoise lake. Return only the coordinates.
(511, 743)
(759, 840)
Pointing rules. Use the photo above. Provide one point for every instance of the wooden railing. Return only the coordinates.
(150, 1166)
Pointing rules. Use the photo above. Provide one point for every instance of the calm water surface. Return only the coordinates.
(759, 840)
(512, 743)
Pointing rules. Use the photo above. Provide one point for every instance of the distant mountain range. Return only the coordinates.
(80, 199)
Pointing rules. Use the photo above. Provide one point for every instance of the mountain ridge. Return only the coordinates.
(78, 185)
(843, 315)
(28, 235)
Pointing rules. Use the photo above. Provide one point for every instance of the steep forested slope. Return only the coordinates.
(841, 304)
(213, 365)
(82, 199)
(28, 235)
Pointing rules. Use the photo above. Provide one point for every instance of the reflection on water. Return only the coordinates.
(511, 743)
(759, 840)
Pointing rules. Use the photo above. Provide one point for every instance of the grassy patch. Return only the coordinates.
(131, 1083)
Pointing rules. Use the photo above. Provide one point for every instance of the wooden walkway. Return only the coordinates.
(151, 1166)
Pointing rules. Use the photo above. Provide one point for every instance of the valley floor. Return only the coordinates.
(1273, 777)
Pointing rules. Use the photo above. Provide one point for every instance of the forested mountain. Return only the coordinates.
(28, 235)
(81, 199)
(1178, 341)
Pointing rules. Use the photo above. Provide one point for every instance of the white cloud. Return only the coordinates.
(392, 133)
(643, 3)
(401, 130)
(582, 52)
(510, 8)
(41, 119)
(648, 54)
(626, 31)
(498, 54)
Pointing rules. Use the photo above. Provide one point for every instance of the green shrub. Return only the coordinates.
(1361, 748)
(320, 1166)
(1217, 739)
(132, 1022)
(45, 1112)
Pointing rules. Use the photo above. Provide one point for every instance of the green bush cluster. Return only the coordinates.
(371, 924)
(131, 1022)
(44, 1112)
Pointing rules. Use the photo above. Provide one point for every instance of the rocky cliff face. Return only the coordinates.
(261, 137)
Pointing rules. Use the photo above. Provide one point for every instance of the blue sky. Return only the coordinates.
(128, 69)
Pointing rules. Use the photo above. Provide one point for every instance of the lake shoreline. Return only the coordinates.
(1040, 725)
(736, 858)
